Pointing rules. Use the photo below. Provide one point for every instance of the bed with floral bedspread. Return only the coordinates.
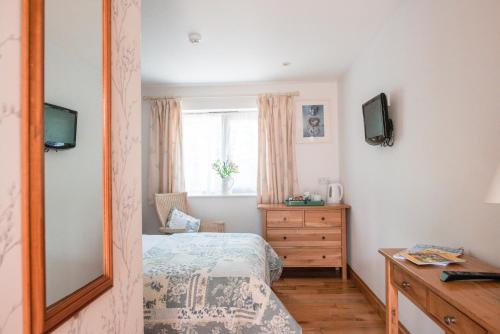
(212, 283)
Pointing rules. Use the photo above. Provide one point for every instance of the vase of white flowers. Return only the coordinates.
(225, 170)
(227, 185)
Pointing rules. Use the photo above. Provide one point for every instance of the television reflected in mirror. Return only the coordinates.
(60, 127)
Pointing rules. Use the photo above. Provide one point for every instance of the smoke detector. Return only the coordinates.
(194, 38)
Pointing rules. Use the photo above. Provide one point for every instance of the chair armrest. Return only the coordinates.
(168, 230)
(212, 226)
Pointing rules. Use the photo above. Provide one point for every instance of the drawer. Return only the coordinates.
(310, 256)
(451, 318)
(323, 218)
(410, 287)
(285, 218)
(305, 237)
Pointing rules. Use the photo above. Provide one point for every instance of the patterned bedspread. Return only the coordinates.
(212, 283)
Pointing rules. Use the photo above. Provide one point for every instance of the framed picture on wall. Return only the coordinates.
(313, 121)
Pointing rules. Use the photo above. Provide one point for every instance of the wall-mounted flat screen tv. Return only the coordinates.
(60, 127)
(378, 125)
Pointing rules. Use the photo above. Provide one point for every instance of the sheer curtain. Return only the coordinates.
(277, 175)
(165, 151)
(209, 136)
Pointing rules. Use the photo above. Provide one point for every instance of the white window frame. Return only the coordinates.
(224, 145)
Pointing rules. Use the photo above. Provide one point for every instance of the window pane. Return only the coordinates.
(242, 149)
(202, 137)
(211, 136)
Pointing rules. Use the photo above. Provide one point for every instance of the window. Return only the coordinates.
(208, 136)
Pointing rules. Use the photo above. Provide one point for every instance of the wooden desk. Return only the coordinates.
(458, 307)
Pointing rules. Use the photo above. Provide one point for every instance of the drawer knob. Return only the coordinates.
(284, 257)
(405, 285)
(449, 320)
(324, 256)
(284, 238)
(284, 218)
(323, 237)
(322, 218)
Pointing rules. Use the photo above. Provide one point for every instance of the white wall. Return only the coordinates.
(439, 61)
(73, 177)
(240, 213)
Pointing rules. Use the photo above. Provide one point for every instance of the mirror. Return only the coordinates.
(67, 157)
(73, 172)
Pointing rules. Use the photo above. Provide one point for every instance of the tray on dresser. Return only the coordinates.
(288, 202)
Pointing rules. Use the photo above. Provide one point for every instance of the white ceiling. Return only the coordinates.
(248, 40)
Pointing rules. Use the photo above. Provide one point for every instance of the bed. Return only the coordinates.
(212, 283)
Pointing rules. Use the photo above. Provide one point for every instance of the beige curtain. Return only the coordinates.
(165, 150)
(277, 176)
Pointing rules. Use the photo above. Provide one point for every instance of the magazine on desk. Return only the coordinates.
(431, 255)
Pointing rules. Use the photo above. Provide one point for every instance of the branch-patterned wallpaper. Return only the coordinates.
(10, 164)
(120, 309)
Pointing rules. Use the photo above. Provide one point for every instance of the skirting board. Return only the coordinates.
(372, 298)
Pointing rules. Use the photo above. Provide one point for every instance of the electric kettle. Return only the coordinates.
(334, 193)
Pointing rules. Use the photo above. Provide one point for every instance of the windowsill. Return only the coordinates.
(220, 195)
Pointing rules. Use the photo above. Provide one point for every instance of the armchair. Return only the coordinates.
(165, 202)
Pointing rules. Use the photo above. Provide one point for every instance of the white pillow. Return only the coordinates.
(178, 220)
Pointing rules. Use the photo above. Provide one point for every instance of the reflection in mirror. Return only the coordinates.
(74, 146)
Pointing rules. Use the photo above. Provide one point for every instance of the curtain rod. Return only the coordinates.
(216, 97)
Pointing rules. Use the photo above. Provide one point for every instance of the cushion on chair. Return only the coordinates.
(180, 220)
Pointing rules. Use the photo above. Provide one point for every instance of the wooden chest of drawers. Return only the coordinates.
(307, 236)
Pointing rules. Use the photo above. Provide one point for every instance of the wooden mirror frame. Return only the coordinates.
(38, 318)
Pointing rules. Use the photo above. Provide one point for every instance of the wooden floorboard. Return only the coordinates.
(324, 304)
